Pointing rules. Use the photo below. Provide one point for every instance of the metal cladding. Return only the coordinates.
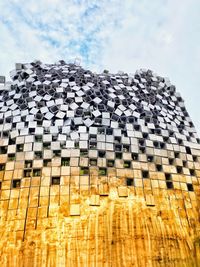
(51, 110)
(70, 137)
(109, 121)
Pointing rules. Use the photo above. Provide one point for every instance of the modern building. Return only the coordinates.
(96, 170)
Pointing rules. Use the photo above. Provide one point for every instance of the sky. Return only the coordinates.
(161, 35)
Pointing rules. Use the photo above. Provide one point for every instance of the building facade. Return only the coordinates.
(96, 170)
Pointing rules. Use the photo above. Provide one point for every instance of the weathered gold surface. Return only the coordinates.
(140, 228)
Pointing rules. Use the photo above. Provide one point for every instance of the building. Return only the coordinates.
(96, 170)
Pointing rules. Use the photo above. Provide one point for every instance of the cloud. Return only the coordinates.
(56, 29)
(162, 35)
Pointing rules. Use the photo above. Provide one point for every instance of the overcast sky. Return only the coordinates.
(162, 35)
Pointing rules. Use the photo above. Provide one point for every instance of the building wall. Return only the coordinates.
(96, 170)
